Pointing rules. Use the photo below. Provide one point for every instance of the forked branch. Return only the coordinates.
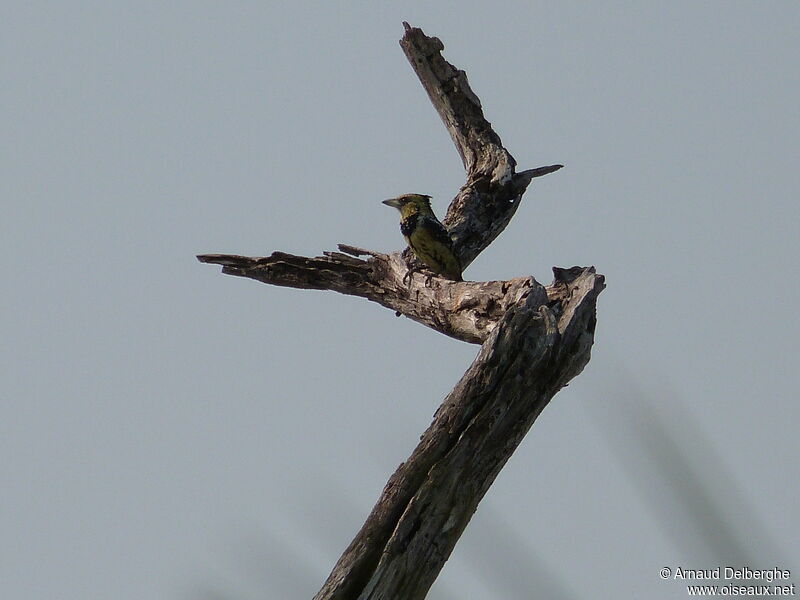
(480, 211)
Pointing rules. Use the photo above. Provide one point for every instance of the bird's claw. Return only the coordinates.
(410, 273)
(416, 269)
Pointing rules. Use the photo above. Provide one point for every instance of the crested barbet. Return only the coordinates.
(427, 237)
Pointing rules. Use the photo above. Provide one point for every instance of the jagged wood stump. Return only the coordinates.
(533, 338)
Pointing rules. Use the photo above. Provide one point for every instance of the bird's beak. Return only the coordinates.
(393, 202)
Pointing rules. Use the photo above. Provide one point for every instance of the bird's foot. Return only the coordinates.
(409, 274)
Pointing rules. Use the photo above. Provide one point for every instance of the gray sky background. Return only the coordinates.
(170, 432)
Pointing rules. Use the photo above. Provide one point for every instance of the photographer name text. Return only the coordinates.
(730, 573)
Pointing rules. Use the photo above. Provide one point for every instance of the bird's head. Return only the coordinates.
(410, 204)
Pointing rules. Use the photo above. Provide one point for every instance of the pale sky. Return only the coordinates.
(170, 432)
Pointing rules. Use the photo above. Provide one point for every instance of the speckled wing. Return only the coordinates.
(432, 244)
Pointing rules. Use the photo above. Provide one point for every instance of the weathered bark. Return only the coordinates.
(532, 353)
(490, 197)
(534, 340)
(465, 310)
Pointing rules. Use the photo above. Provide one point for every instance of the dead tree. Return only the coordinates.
(533, 339)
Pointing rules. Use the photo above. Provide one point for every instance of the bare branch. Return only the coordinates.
(356, 251)
(466, 310)
(490, 197)
(478, 145)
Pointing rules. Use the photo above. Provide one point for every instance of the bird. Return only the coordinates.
(425, 234)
